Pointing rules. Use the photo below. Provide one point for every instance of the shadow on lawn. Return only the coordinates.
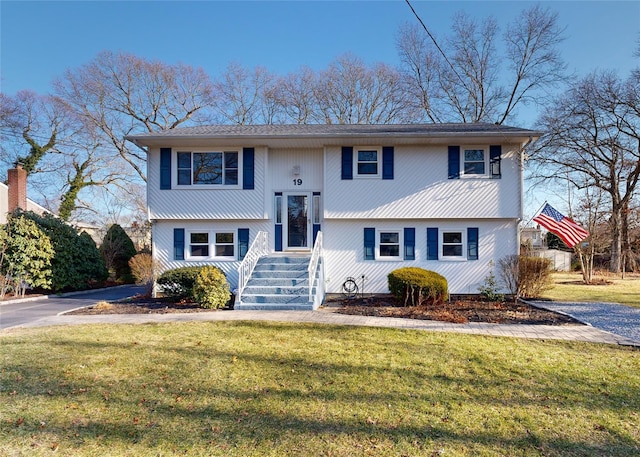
(217, 397)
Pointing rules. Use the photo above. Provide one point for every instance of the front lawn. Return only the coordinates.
(568, 286)
(269, 389)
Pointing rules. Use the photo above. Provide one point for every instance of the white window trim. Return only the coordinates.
(174, 168)
(400, 255)
(487, 170)
(378, 150)
(211, 244)
(451, 258)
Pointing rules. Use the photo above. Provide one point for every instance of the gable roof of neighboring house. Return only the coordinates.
(334, 134)
(4, 197)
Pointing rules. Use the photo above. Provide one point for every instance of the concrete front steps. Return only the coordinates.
(278, 282)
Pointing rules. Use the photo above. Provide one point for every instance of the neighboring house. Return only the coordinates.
(14, 195)
(532, 237)
(444, 197)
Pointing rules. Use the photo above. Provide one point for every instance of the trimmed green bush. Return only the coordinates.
(178, 283)
(211, 289)
(413, 286)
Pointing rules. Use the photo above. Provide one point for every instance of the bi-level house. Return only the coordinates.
(289, 212)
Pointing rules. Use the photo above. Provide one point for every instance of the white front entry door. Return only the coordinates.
(298, 224)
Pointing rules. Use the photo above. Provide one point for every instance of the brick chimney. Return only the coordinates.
(17, 183)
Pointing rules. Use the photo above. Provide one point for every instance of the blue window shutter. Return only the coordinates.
(369, 244)
(409, 243)
(347, 162)
(248, 168)
(243, 242)
(165, 168)
(495, 153)
(432, 243)
(178, 244)
(454, 162)
(387, 162)
(278, 238)
(472, 243)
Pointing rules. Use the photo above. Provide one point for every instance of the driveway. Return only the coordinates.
(19, 312)
(611, 317)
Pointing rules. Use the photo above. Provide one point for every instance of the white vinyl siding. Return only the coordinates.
(421, 188)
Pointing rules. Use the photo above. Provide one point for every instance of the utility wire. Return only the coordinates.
(435, 43)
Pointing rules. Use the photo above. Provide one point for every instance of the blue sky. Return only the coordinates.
(41, 39)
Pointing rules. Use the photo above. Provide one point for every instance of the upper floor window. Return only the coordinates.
(474, 161)
(368, 162)
(212, 168)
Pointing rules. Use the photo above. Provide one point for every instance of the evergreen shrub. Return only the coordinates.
(414, 286)
(211, 289)
(178, 283)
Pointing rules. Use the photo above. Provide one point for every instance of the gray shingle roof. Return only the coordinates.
(342, 130)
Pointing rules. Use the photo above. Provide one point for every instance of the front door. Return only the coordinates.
(298, 224)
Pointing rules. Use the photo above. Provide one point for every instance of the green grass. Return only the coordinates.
(568, 287)
(269, 389)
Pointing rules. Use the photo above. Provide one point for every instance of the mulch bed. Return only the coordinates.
(457, 311)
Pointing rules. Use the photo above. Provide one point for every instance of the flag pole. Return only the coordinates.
(534, 215)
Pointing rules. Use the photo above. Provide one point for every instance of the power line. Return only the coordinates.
(435, 43)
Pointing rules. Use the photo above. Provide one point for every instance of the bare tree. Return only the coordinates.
(122, 94)
(246, 97)
(594, 140)
(350, 93)
(464, 79)
(295, 93)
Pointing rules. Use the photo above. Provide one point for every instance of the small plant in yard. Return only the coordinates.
(534, 276)
(413, 286)
(143, 269)
(211, 289)
(490, 288)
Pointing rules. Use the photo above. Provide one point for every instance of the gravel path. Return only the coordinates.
(611, 317)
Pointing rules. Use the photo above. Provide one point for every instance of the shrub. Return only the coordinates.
(117, 249)
(490, 289)
(211, 289)
(534, 275)
(25, 256)
(413, 286)
(178, 282)
(76, 261)
(143, 269)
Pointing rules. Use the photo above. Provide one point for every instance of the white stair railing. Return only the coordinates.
(316, 260)
(259, 248)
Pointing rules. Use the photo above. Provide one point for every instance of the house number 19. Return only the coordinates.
(297, 182)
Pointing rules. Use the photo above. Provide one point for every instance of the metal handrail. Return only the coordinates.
(259, 248)
(316, 257)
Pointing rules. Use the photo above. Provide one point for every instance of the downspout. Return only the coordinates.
(522, 150)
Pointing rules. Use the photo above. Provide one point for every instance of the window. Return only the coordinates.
(199, 244)
(224, 245)
(452, 244)
(367, 164)
(204, 245)
(389, 242)
(212, 168)
(474, 162)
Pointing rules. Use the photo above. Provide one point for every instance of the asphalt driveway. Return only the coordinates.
(18, 312)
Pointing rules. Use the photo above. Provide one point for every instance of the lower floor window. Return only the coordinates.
(452, 244)
(202, 244)
(224, 245)
(389, 244)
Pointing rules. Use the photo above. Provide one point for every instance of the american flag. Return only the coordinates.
(568, 231)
